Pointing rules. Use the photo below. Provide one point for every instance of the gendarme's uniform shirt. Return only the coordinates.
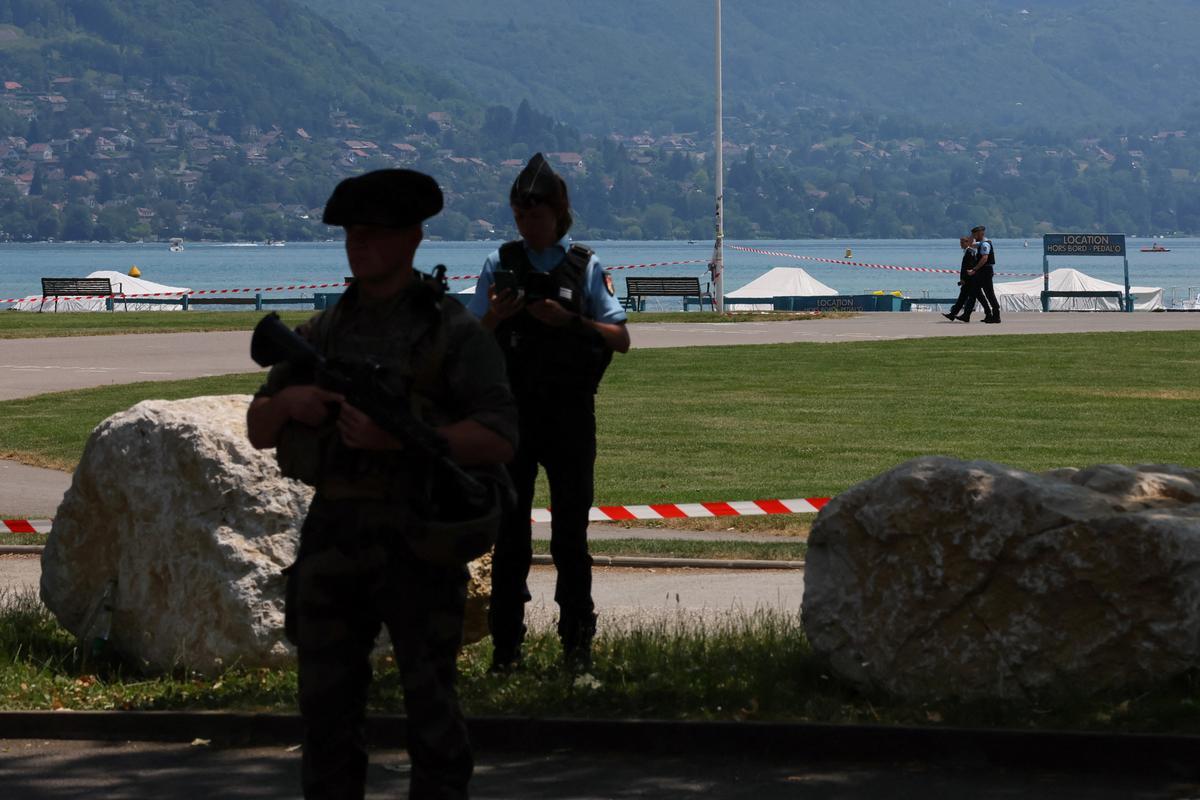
(598, 303)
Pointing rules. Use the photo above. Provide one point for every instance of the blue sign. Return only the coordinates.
(1083, 244)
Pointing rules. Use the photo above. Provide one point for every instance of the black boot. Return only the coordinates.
(576, 639)
(506, 646)
(951, 316)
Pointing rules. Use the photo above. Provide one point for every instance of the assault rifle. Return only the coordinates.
(361, 383)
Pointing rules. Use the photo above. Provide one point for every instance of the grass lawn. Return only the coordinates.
(21, 325)
(741, 667)
(807, 420)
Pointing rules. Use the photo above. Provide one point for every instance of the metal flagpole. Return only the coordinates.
(717, 267)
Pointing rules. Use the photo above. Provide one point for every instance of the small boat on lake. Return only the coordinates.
(176, 245)
(1156, 248)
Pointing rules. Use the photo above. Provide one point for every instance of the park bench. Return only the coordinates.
(77, 287)
(638, 289)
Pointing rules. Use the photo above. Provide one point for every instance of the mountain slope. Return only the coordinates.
(632, 65)
(260, 62)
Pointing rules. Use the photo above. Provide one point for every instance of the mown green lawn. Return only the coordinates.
(805, 420)
(21, 325)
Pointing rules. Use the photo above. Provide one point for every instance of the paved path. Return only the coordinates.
(50, 770)
(30, 492)
(623, 596)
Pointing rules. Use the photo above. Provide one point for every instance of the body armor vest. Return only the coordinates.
(542, 358)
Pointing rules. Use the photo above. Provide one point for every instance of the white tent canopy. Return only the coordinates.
(779, 282)
(121, 284)
(1027, 295)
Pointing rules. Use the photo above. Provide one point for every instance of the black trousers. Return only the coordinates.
(560, 435)
(986, 293)
(966, 296)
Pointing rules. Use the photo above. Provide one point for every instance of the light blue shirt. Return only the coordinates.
(598, 304)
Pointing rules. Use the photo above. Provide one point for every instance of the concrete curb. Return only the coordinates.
(680, 563)
(1118, 752)
(600, 561)
(21, 549)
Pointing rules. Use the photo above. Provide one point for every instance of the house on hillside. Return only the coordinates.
(40, 152)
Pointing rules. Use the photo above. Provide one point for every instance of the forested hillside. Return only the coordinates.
(233, 119)
(630, 65)
(264, 61)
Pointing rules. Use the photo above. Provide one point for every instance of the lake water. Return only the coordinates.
(224, 266)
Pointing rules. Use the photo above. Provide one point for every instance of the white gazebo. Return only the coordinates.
(778, 282)
(121, 284)
(1027, 295)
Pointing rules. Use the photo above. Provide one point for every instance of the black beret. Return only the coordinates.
(391, 198)
(538, 182)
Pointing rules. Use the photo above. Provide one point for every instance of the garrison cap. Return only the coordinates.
(538, 182)
(391, 198)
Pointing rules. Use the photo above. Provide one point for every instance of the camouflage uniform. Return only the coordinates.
(355, 572)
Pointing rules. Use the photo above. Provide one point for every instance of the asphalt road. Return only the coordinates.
(623, 596)
(53, 770)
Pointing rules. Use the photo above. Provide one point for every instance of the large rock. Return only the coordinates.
(194, 524)
(944, 578)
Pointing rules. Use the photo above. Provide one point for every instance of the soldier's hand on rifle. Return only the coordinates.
(309, 404)
(361, 432)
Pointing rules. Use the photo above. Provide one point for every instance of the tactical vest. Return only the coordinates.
(413, 366)
(991, 262)
(541, 358)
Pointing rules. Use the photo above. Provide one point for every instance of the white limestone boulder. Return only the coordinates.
(943, 578)
(195, 526)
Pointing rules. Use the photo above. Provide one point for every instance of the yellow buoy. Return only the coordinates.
(849, 253)
(134, 272)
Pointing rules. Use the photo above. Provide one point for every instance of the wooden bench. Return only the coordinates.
(78, 287)
(638, 289)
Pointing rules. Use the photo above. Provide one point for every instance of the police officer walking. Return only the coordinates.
(553, 310)
(365, 557)
(982, 274)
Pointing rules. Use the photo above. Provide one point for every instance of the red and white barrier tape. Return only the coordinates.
(941, 271)
(26, 525)
(123, 296)
(609, 269)
(293, 287)
(736, 508)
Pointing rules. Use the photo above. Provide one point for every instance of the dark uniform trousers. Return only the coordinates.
(351, 577)
(559, 433)
(985, 292)
(967, 292)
